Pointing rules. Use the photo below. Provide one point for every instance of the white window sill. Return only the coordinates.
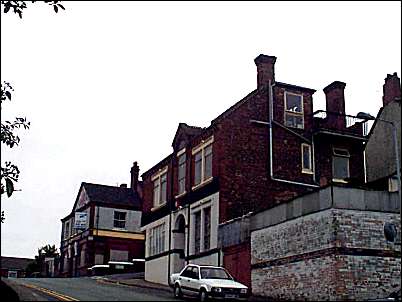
(119, 229)
(207, 181)
(158, 207)
(307, 172)
(181, 194)
(339, 180)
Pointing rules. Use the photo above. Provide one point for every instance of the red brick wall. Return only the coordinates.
(237, 261)
(242, 148)
(241, 156)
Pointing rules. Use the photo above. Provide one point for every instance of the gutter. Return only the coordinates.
(270, 121)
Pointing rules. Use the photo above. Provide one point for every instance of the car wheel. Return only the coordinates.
(203, 295)
(177, 291)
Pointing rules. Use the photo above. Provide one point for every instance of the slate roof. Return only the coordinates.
(15, 263)
(112, 195)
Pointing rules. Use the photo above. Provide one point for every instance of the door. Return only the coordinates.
(188, 280)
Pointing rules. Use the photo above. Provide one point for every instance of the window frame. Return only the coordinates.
(157, 236)
(67, 229)
(287, 112)
(181, 154)
(197, 232)
(304, 169)
(204, 230)
(206, 226)
(196, 150)
(157, 177)
(119, 220)
(340, 155)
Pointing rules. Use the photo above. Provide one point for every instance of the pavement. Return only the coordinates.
(7, 292)
(140, 282)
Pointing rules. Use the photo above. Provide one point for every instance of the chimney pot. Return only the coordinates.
(335, 101)
(391, 89)
(265, 70)
(134, 176)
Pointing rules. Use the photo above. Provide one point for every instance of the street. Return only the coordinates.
(82, 289)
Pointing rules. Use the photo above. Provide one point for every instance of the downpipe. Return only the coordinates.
(270, 119)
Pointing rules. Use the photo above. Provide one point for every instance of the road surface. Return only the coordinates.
(82, 289)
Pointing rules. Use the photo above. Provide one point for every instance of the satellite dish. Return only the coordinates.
(390, 231)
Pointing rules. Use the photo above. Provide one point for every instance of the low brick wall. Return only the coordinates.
(332, 254)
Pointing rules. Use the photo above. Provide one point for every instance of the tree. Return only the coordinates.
(18, 6)
(9, 171)
(39, 265)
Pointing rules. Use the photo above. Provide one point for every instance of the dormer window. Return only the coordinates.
(294, 114)
(160, 187)
(203, 162)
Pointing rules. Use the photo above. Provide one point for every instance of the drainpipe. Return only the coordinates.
(270, 119)
(170, 218)
(188, 232)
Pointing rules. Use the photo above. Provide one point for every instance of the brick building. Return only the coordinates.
(267, 148)
(109, 234)
(380, 149)
(14, 267)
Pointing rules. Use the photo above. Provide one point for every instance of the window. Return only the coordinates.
(307, 166)
(207, 228)
(294, 116)
(67, 230)
(157, 240)
(119, 220)
(202, 230)
(203, 162)
(188, 272)
(340, 164)
(160, 187)
(182, 173)
(197, 232)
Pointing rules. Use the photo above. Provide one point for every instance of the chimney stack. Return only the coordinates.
(135, 170)
(335, 101)
(265, 70)
(123, 185)
(391, 89)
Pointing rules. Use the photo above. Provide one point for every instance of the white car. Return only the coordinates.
(206, 282)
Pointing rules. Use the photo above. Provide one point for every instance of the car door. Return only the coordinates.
(195, 281)
(185, 281)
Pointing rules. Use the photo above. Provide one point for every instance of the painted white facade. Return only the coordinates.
(106, 218)
(158, 269)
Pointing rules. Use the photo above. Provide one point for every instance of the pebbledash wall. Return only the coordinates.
(328, 245)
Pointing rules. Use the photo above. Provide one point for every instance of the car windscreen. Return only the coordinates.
(214, 273)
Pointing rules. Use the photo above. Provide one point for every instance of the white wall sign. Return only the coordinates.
(81, 220)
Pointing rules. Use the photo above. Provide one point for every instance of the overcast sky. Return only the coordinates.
(107, 83)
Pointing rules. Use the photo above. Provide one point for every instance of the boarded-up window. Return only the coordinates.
(118, 255)
(99, 259)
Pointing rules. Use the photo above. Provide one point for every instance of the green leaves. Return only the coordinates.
(18, 6)
(9, 187)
